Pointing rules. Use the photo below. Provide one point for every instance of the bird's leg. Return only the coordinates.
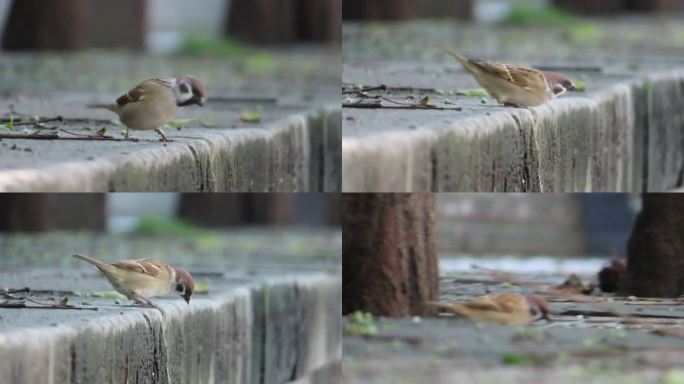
(161, 133)
(144, 301)
(127, 136)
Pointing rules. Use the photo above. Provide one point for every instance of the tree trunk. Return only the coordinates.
(655, 265)
(47, 25)
(389, 259)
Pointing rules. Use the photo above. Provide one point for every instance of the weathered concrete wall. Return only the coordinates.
(298, 153)
(272, 313)
(282, 330)
(629, 136)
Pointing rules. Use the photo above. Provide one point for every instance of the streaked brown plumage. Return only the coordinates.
(141, 279)
(515, 85)
(504, 308)
(154, 102)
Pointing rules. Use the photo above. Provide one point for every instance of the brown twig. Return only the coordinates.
(21, 303)
(55, 136)
(37, 122)
(401, 105)
(10, 291)
(381, 87)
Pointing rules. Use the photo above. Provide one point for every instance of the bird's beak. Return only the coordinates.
(199, 101)
(187, 298)
(572, 88)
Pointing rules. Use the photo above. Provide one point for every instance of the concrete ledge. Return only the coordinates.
(299, 152)
(628, 136)
(281, 330)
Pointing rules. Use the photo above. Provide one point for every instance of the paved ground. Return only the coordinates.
(622, 134)
(583, 344)
(295, 146)
(271, 313)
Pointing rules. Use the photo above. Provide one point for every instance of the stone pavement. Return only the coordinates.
(583, 344)
(624, 133)
(271, 314)
(295, 146)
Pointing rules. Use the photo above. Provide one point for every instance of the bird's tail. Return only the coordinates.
(461, 59)
(91, 260)
(111, 107)
(448, 307)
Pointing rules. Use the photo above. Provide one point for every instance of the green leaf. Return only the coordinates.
(425, 101)
(476, 92)
(201, 288)
(512, 359)
(250, 117)
(107, 295)
(361, 324)
(179, 123)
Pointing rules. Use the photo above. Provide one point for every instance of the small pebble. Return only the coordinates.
(631, 298)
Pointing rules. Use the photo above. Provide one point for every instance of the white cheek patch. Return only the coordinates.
(183, 93)
(558, 90)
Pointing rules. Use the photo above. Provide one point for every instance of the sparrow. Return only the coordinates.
(508, 308)
(154, 102)
(515, 85)
(140, 279)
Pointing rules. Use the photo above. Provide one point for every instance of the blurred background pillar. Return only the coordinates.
(320, 20)
(655, 266)
(406, 9)
(75, 24)
(224, 210)
(284, 21)
(602, 7)
(389, 263)
(47, 25)
(120, 24)
(655, 5)
(591, 7)
(34, 212)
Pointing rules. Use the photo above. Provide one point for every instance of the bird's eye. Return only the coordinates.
(180, 288)
(184, 88)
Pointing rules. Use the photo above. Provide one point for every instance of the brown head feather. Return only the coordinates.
(184, 278)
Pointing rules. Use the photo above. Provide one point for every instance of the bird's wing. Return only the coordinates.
(483, 303)
(135, 94)
(511, 302)
(523, 77)
(141, 90)
(147, 266)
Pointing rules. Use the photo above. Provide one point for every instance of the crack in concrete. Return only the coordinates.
(204, 176)
(526, 165)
